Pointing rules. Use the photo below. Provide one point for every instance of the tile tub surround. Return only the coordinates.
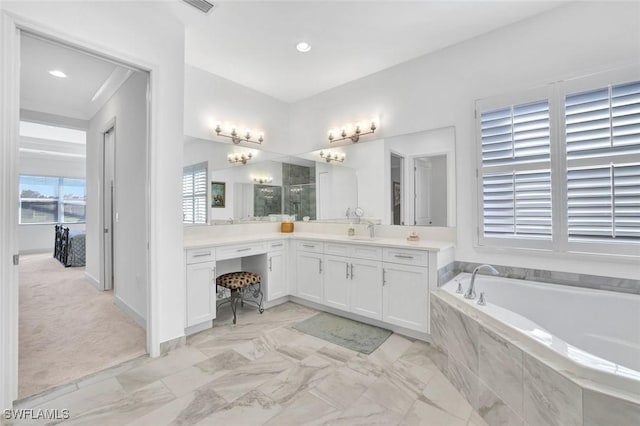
(509, 383)
(265, 372)
(623, 285)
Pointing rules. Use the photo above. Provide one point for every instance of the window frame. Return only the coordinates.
(60, 201)
(555, 94)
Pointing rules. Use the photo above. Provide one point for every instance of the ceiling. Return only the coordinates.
(253, 43)
(89, 84)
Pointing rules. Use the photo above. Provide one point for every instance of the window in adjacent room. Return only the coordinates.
(46, 199)
(194, 194)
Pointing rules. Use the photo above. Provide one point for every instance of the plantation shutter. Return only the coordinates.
(603, 161)
(516, 171)
(194, 193)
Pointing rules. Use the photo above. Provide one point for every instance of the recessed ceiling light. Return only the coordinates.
(58, 73)
(303, 46)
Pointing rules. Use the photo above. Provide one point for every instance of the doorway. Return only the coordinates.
(430, 185)
(397, 189)
(107, 199)
(95, 314)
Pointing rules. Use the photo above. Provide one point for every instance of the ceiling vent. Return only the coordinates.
(202, 5)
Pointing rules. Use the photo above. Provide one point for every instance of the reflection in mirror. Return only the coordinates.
(402, 180)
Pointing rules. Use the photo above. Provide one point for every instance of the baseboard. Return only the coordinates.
(198, 328)
(172, 344)
(396, 329)
(130, 312)
(93, 281)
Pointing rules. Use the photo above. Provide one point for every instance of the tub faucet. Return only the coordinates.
(471, 291)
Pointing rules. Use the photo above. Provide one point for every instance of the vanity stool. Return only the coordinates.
(238, 283)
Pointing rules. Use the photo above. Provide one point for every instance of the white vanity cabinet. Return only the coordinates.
(309, 270)
(337, 282)
(276, 271)
(405, 291)
(200, 286)
(366, 288)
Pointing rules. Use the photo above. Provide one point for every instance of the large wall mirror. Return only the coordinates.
(403, 180)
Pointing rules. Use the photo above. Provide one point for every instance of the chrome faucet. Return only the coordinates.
(471, 291)
(372, 231)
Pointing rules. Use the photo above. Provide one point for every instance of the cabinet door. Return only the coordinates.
(201, 293)
(366, 288)
(405, 295)
(337, 282)
(276, 279)
(309, 276)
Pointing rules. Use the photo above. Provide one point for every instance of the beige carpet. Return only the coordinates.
(68, 329)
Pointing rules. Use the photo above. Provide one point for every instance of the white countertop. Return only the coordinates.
(429, 245)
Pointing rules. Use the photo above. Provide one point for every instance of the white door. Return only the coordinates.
(366, 288)
(276, 284)
(422, 197)
(405, 296)
(309, 273)
(201, 293)
(337, 282)
(108, 206)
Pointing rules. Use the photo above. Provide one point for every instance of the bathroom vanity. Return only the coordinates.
(381, 281)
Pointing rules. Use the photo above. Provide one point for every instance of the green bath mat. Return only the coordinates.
(351, 334)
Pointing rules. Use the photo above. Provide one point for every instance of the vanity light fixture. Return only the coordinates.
(355, 136)
(239, 158)
(262, 180)
(330, 156)
(235, 136)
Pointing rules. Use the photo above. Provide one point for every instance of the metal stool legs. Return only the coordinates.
(239, 294)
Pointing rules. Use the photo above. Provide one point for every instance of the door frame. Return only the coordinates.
(110, 126)
(403, 186)
(10, 28)
(451, 184)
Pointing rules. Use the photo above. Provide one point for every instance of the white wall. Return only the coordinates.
(440, 89)
(210, 99)
(128, 107)
(141, 33)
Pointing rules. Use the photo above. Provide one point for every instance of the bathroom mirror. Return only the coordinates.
(402, 180)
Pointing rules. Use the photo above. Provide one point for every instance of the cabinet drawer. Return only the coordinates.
(276, 245)
(240, 250)
(310, 246)
(337, 249)
(406, 257)
(366, 252)
(201, 255)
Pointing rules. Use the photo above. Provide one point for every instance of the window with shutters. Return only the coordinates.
(194, 193)
(516, 171)
(603, 161)
(562, 171)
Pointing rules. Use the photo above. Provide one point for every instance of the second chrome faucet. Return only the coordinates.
(471, 291)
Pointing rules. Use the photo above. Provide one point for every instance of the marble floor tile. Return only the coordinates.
(476, 420)
(343, 387)
(305, 409)
(263, 372)
(391, 396)
(425, 414)
(158, 368)
(494, 410)
(253, 408)
(365, 412)
(392, 349)
(441, 394)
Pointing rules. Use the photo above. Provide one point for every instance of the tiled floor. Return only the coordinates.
(262, 371)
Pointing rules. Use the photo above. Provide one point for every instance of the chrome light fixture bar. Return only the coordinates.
(329, 157)
(239, 158)
(236, 138)
(262, 180)
(355, 136)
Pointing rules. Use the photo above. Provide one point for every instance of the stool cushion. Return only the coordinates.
(238, 280)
